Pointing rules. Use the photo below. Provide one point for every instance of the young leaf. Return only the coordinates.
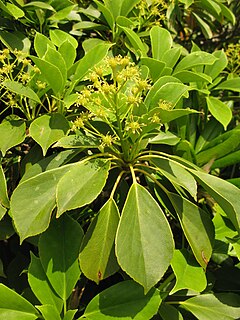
(49, 312)
(124, 301)
(231, 84)
(155, 67)
(33, 200)
(59, 248)
(135, 41)
(68, 52)
(161, 41)
(69, 315)
(2, 212)
(12, 133)
(171, 57)
(223, 192)
(144, 242)
(188, 76)
(219, 110)
(79, 140)
(3, 189)
(197, 226)
(219, 65)
(219, 306)
(15, 307)
(58, 37)
(40, 285)
(97, 257)
(82, 184)
(106, 13)
(189, 275)
(21, 90)
(41, 44)
(168, 312)
(48, 129)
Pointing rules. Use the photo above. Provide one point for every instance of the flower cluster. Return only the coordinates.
(152, 12)
(233, 55)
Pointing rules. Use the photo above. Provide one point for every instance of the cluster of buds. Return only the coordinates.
(233, 55)
(152, 12)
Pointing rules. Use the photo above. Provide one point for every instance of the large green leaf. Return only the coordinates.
(49, 312)
(68, 52)
(219, 110)
(127, 6)
(218, 66)
(3, 210)
(144, 242)
(197, 226)
(168, 312)
(48, 129)
(41, 43)
(40, 285)
(79, 140)
(97, 257)
(194, 59)
(161, 41)
(3, 189)
(58, 37)
(231, 84)
(123, 301)
(135, 41)
(176, 174)
(223, 192)
(155, 67)
(221, 306)
(59, 249)
(82, 184)
(21, 90)
(189, 76)
(33, 200)
(15, 307)
(12, 133)
(106, 13)
(189, 275)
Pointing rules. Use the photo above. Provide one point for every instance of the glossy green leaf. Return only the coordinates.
(15, 307)
(97, 257)
(21, 90)
(59, 248)
(170, 92)
(144, 242)
(48, 129)
(123, 301)
(82, 184)
(40, 285)
(176, 174)
(220, 306)
(62, 14)
(231, 84)
(12, 133)
(15, 39)
(39, 4)
(135, 41)
(33, 200)
(3, 189)
(228, 160)
(218, 66)
(168, 312)
(155, 67)
(15, 11)
(58, 37)
(68, 52)
(206, 30)
(165, 138)
(69, 315)
(79, 140)
(227, 12)
(219, 110)
(223, 192)
(41, 43)
(170, 115)
(107, 13)
(171, 57)
(51, 74)
(49, 312)
(197, 226)
(194, 59)
(189, 275)
(161, 41)
(189, 76)
(3, 210)
(127, 6)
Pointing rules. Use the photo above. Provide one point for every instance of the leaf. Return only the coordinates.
(206, 30)
(40, 285)
(69, 315)
(15, 11)
(41, 43)
(171, 57)
(227, 13)
(51, 74)
(21, 90)
(68, 53)
(144, 242)
(168, 312)
(3, 189)
(12, 133)
(197, 226)
(2, 212)
(39, 4)
(79, 140)
(218, 66)
(62, 14)
(223, 192)
(107, 13)
(15, 307)
(165, 138)
(48, 129)
(15, 40)
(49, 312)
(219, 110)
(82, 184)
(161, 41)
(170, 92)
(59, 248)
(189, 275)
(155, 67)
(135, 41)
(123, 301)
(170, 115)
(231, 84)
(189, 76)
(97, 257)
(176, 174)
(228, 160)
(220, 306)
(33, 200)
(194, 59)
(58, 37)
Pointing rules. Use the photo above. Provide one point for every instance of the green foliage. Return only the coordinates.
(118, 136)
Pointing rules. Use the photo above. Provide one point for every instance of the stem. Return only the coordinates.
(116, 184)
(133, 174)
(153, 179)
(166, 281)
